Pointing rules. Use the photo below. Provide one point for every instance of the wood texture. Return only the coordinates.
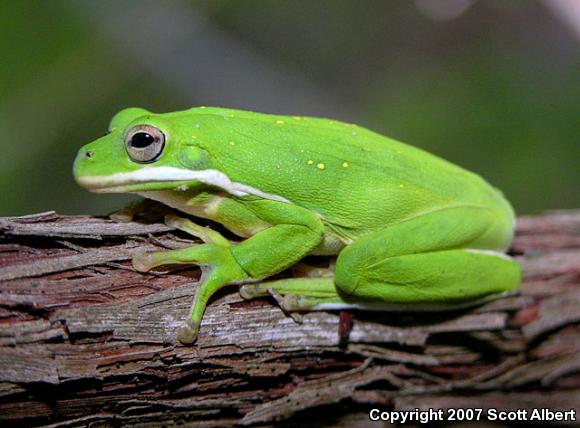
(86, 340)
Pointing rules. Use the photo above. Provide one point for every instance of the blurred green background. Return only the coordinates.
(491, 85)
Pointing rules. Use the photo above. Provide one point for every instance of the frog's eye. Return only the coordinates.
(144, 143)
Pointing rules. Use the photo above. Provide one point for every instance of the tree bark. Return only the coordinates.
(86, 340)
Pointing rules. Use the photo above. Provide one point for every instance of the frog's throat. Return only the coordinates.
(119, 182)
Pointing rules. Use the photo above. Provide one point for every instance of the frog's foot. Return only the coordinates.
(219, 268)
(132, 210)
(305, 294)
(297, 294)
(303, 270)
(283, 303)
(145, 261)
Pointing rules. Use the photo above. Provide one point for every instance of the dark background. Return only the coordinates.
(491, 85)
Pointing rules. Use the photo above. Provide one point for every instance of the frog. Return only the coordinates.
(407, 230)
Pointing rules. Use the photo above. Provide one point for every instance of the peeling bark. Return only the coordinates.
(86, 340)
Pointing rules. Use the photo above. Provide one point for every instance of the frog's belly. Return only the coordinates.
(178, 200)
(330, 245)
(209, 208)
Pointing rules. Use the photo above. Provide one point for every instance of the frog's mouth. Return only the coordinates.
(142, 179)
(167, 178)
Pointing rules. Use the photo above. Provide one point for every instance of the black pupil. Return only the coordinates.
(141, 140)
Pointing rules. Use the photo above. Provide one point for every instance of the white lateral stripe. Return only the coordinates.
(411, 307)
(210, 177)
(489, 253)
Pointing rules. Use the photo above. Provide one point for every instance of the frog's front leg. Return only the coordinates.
(293, 233)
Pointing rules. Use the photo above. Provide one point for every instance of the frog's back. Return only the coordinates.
(327, 165)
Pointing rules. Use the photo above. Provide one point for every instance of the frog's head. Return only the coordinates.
(142, 151)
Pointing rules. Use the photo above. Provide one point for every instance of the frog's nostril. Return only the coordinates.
(89, 154)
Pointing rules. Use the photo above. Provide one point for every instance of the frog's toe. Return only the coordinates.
(144, 261)
(251, 291)
(124, 215)
(291, 303)
(187, 334)
(174, 221)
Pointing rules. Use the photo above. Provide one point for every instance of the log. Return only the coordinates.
(86, 340)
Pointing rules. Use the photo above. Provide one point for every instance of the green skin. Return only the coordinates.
(411, 231)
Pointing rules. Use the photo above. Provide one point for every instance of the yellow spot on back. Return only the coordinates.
(310, 162)
(280, 122)
(401, 185)
(296, 117)
(345, 164)
(194, 137)
(202, 107)
(232, 143)
(320, 166)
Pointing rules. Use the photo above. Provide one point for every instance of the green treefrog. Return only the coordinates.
(409, 230)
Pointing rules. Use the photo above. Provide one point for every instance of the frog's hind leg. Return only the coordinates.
(410, 266)
(439, 281)
(436, 261)
(436, 281)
